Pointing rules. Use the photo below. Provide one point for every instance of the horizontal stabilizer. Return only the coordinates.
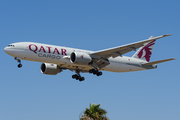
(156, 62)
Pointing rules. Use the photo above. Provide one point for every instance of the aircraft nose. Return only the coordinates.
(8, 51)
(5, 49)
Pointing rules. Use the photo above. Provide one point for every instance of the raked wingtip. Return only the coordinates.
(167, 35)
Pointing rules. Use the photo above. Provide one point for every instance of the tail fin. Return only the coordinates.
(144, 53)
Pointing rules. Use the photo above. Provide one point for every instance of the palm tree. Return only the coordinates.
(94, 112)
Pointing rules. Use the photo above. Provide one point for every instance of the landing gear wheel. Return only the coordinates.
(91, 71)
(73, 76)
(19, 65)
(81, 79)
(99, 73)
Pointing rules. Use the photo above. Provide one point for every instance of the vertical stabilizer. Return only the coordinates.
(144, 53)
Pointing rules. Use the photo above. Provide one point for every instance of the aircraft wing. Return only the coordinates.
(100, 58)
(120, 50)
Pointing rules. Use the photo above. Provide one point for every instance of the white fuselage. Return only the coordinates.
(58, 55)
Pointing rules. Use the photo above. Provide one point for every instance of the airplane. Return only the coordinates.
(55, 59)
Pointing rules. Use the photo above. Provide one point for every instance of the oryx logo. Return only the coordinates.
(82, 56)
(146, 51)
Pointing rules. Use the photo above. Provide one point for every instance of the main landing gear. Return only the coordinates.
(19, 61)
(78, 76)
(95, 72)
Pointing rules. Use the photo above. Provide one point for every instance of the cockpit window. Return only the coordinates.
(10, 45)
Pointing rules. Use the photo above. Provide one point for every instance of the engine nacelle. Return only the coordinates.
(80, 58)
(50, 69)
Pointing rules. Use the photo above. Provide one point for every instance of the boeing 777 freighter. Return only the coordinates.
(55, 59)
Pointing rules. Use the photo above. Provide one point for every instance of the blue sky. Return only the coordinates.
(26, 94)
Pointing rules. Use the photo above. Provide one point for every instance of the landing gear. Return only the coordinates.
(95, 72)
(78, 76)
(19, 61)
(19, 65)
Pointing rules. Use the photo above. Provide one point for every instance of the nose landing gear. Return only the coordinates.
(19, 61)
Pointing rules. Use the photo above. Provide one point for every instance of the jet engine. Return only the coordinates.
(80, 58)
(50, 69)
